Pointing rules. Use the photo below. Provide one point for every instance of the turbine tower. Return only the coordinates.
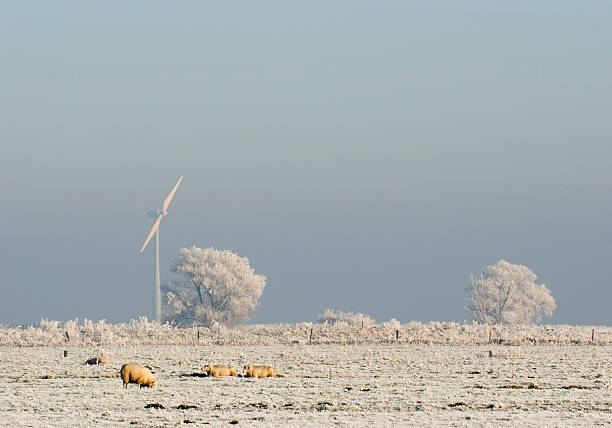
(158, 215)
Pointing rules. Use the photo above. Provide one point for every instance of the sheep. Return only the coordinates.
(259, 371)
(219, 371)
(133, 373)
(96, 361)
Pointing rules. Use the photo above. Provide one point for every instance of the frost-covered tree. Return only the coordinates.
(212, 286)
(506, 293)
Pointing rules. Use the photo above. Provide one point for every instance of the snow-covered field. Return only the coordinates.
(356, 385)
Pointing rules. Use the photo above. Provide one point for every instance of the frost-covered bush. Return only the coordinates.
(393, 324)
(213, 286)
(142, 332)
(506, 293)
(347, 318)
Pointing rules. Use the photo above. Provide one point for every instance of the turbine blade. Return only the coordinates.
(152, 232)
(171, 195)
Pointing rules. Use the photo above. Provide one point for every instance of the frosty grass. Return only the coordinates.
(352, 385)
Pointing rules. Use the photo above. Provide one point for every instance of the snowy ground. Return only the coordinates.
(356, 385)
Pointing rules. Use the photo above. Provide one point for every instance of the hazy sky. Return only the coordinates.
(365, 156)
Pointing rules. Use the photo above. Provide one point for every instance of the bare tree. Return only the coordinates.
(212, 286)
(507, 293)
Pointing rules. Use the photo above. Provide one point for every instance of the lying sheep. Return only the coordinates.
(259, 371)
(133, 373)
(217, 371)
(96, 361)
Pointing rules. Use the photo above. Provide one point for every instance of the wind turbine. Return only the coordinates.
(158, 215)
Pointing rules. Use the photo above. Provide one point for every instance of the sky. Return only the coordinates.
(364, 156)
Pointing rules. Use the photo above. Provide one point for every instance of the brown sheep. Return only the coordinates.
(259, 371)
(217, 371)
(133, 373)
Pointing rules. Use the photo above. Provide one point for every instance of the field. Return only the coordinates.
(352, 384)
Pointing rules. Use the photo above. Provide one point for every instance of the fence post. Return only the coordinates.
(593, 336)
(67, 337)
(198, 335)
(310, 338)
(396, 334)
(489, 335)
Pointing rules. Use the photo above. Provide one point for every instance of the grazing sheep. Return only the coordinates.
(259, 371)
(133, 373)
(95, 361)
(217, 371)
